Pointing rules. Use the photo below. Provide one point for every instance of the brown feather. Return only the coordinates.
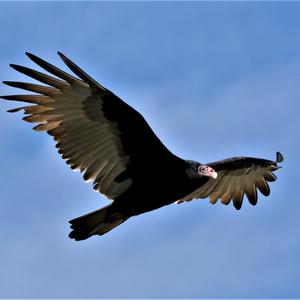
(263, 187)
(238, 199)
(54, 70)
(37, 99)
(252, 194)
(270, 176)
(48, 126)
(80, 73)
(46, 90)
(40, 76)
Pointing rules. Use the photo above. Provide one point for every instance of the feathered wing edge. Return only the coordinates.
(43, 100)
(58, 103)
(222, 188)
(260, 182)
(45, 113)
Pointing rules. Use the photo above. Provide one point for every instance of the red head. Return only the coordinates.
(205, 170)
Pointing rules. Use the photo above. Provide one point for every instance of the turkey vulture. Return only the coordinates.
(112, 144)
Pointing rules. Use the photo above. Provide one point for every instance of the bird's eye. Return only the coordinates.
(203, 168)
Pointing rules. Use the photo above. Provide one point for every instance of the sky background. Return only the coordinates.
(214, 80)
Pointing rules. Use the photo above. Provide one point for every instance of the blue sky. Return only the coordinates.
(214, 80)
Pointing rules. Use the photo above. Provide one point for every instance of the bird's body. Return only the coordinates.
(112, 144)
(160, 187)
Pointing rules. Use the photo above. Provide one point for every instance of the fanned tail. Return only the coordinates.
(97, 222)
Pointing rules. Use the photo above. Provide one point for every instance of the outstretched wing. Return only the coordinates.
(236, 177)
(95, 131)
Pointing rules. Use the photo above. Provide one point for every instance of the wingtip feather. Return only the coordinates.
(237, 205)
(17, 67)
(7, 97)
(62, 56)
(279, 157)
(15, 110)
(14, 66)
(31, 56)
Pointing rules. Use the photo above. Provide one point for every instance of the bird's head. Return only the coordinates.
(204, 170)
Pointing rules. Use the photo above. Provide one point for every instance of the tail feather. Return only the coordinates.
(97, 222)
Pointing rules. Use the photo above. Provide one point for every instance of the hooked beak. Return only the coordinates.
(214, 175)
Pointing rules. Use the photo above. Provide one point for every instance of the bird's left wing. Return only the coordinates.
(237, 177)
(95, 131)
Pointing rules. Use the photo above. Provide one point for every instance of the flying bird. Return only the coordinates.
(108, 141)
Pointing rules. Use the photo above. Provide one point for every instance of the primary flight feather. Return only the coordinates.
(112, 145)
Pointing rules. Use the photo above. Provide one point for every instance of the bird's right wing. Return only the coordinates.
(95, 131)
(237, 177)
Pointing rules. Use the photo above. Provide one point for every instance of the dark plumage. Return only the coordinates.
(112, 144)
